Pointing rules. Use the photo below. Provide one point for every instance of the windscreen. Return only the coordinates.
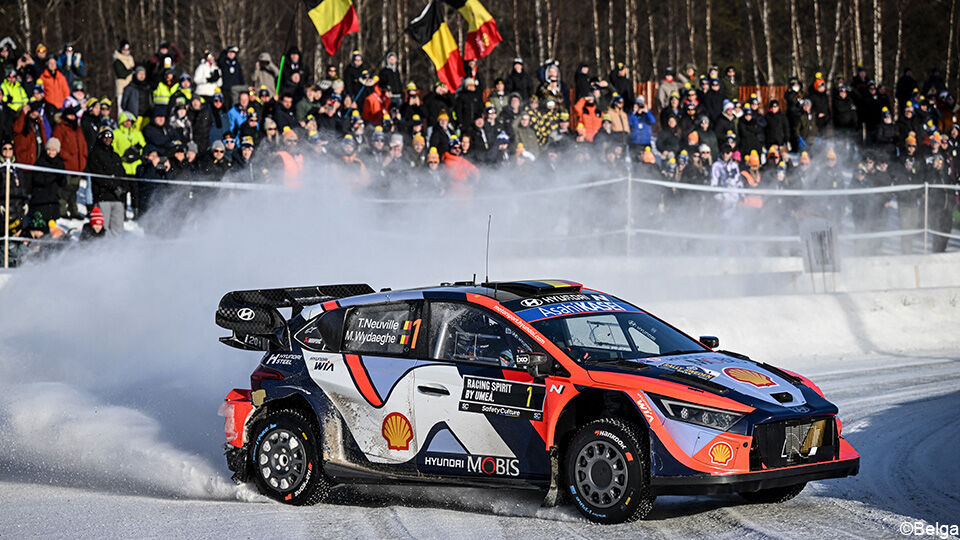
(610, 336)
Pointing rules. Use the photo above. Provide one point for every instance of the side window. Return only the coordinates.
(391, 329)
(463, 333)
(323, 333)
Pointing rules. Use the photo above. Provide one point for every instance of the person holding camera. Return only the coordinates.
(71, 64)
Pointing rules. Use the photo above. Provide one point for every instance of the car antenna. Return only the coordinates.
(487, 260)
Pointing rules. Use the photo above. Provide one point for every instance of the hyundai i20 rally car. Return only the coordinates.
(538, 384)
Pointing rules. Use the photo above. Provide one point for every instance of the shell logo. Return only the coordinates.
(721, 453)
(749, 376)
(397, 431)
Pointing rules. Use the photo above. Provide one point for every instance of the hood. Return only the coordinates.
(717, 373)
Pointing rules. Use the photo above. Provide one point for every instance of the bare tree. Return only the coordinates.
(596, 34)
(857, 33)
(753, 43)
(516, 27)
(549, 28)
(692, 30)
(653, 46)
(539, 26)
(25, 23)
(818, 33)
(896, 62)
(709, 18)
(878, 39)
(765, 19)
(797, 38)
(610, 53)
(836, 39)
(953, 17)
(627, 15)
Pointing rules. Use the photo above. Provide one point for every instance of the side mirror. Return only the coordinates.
(710, 341)
(537, 364)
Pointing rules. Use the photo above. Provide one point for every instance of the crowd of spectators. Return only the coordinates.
(218, 120)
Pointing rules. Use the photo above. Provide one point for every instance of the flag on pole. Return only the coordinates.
(434, 36)
(333, 19)
(482, 34)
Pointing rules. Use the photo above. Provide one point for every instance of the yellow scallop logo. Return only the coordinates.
(397, 431)
(721, 453)
(749, 376)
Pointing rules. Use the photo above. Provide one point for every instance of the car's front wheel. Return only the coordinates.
(773, 495)
(606, 470)
(286, 460)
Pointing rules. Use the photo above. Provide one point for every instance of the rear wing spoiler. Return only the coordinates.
(254, 318)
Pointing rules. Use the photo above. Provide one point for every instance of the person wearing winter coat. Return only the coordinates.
(123, 65)
(620, 80)
(844, 112)
(19, 189)
(750, 132)
(138, 98)
(820, 102)
(265, 73)
(45, 186)
(390, 78)
(232, 73)
(668, 85)
(55, 86)
(778, 126)
(30, 132)
(207, 77)
(640, 121)
(71, 64)
(94, 229)
(128, 143)
(73, 151)
(108, 194)
(200, 119)
(352, 73)
(525, 134)
(219, 121)
(726, 173)
(519, 81)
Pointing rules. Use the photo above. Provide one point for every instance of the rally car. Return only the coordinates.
(537, 384)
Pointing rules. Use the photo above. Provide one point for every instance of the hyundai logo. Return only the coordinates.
(531, 302)
(246, 314)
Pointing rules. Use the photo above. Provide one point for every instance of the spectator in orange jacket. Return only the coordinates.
(589, 114)
(73, 151)
(55, 85)
(375, 105)
(459, 169)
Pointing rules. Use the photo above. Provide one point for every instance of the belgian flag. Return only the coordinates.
(432, 33)
(333, 19)
(482, 34)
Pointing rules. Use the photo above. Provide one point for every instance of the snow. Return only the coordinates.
(112, 378)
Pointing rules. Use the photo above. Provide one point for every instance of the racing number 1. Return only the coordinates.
(529, 395)
(416, 334)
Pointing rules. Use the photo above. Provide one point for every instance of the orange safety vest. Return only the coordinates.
(753, 201)
(292, 165)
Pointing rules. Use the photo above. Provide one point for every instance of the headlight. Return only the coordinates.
(698, 414)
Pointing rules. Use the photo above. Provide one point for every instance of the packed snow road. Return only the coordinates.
(899, 411)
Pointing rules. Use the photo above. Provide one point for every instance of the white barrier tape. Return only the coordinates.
(64, 241)
(561, 238)
(884, 234)
(719, 237)
(944, 186)
(781, 192)
(944, 235)
(543, 191)
(770, 238)
(197, 183)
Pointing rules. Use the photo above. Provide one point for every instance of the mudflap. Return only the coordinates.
(552, 497)
(238, 463)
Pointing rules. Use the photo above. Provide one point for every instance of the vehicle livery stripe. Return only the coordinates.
(362, 379)
(333, 304)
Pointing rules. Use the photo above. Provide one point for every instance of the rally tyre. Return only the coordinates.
(773, 495)
(606, 472)
(285, 458)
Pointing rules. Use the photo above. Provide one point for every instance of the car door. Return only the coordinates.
(474, 409)
(370, 379)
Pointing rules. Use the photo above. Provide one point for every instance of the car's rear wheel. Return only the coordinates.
(285, 458)
(773, 495)
(606, 471)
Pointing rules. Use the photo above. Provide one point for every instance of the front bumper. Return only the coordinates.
(754, 481)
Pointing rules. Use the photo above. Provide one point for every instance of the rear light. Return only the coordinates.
(261, 374)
